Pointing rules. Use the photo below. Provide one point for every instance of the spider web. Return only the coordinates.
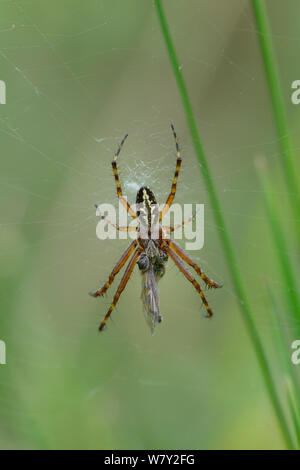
(79, 76)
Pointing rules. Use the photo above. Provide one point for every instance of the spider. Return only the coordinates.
(150, 252)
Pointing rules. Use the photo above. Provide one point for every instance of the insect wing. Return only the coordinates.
(150, 298)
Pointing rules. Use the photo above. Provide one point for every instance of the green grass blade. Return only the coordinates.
(225, 239)
(286, 270)
(278, 108)
(286, 366)
(291, 396)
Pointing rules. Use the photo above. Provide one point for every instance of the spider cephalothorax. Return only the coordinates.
(151, 249)
(145, 197)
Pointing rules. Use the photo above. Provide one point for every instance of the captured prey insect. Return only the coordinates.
(151, 248)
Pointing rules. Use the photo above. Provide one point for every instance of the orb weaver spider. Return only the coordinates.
(151, 253)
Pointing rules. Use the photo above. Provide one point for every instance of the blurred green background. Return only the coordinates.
(79, 75)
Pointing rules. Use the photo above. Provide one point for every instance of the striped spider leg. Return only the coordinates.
(167, 228)
(174, 182)
(173, 249)
(122, 285)
(125, 256)
(185, 257)
(189, 277)
(117, 181)
(116, 226)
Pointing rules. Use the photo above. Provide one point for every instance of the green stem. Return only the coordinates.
(281, 123)
(286, 269)
(225, 240)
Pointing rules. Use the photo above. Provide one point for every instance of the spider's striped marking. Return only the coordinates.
(146, 206)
